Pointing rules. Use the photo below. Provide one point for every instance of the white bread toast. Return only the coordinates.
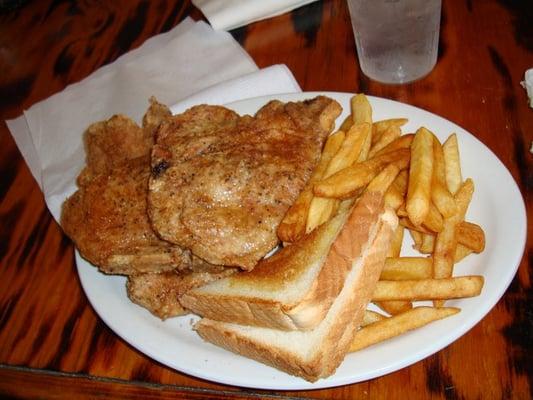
(293, 289)
(315, 353)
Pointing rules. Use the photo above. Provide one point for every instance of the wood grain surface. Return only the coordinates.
(53, 345)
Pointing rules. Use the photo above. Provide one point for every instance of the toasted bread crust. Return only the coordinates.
(347, 241)
(324, 356)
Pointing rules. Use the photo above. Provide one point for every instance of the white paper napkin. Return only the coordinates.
(230, 14)
(527, 84)
(189, 65)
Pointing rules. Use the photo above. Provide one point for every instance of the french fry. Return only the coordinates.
(379, 127)
(433, 220)
(444, 254)
(400, 182)
(346, 124)
(428, 243)
(387, 137)
(440, 195)
(394, 198)
(292, 227)
(396, 242)
(420, 174)
(347, 182)
(446, 241)
(406, 222)
(361, 109)
(415, 235)
(398, 324)
(394, 307)
(463, 196)
(407, 268)
(452, 164)
(381, 183)
(429, 289)
(391, 266)
(471, 236)
(402, 142)
(461, 252)
(321, 209)
(350, 149)
(372, 316)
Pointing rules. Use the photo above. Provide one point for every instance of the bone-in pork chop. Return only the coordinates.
(221, 183)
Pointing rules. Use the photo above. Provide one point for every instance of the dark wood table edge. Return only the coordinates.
(27, 382)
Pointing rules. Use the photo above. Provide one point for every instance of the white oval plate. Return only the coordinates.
(497, 206)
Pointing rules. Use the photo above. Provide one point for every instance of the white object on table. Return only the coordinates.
(527, 84)
(231, 14)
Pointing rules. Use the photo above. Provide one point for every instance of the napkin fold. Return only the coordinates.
(231, 14)
(189, 65)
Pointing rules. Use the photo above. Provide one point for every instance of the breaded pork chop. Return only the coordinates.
(107, 217)
(159, 292)
(221, 183)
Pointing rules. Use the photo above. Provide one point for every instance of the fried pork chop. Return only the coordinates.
(107, 217)
(159, 292)
(220, 183)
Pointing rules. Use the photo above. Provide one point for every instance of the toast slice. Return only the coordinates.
(293, 289)
(315, 353)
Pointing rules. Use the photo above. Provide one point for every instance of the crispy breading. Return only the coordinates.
(221, 183)
(106, 217)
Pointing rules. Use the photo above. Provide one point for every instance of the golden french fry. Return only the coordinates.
(429, 289)
(407, 268)
(361, 109)
(446, 241)
(365, 148)
(443, 199)
(350, 180)
(394, 198)
(379, 127)
(293, 225)
(462, 197)
(420, 174)
(404, 221)
(461, 252)
(394, 307)
(372, 316)
(440, 195)
(350, 149)
(396, 242)
(452, 163)
(415, 235)
(346, 124)
(400, 182)
(387, 137)
(320, 210)
(445, 244)
(381, 183)
(402, 142)
(398, 324)
(428, 243)
(471, 235)
(433, 220)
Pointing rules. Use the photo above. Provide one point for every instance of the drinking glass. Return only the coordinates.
(396, 40)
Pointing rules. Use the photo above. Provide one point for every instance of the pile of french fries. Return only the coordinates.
(422, 181)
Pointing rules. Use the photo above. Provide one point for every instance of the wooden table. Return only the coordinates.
(52, 344)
